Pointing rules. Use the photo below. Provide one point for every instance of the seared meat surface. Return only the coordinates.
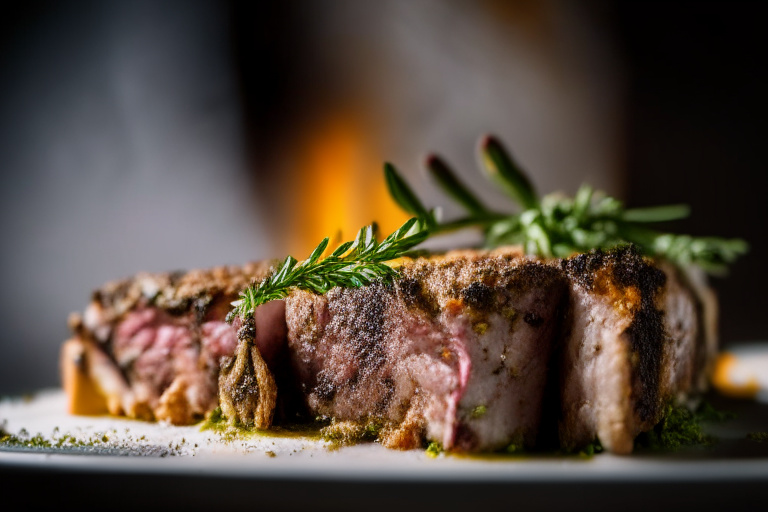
(457, 350)
(153, 344)
(633, 342)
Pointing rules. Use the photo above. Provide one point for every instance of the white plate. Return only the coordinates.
(182, 468)
(142, 446)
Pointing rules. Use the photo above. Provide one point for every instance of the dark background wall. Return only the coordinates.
(155, 135)
(696, 132)
(121, 149)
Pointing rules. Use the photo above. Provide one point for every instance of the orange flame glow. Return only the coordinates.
(342, 188)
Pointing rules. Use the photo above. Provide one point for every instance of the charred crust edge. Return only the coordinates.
(630, 269)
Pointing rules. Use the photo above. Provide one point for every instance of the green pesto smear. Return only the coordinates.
(679, 428)
(216, 421)
(346, 433)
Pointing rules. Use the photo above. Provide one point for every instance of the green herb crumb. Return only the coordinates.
(478, 411)
(680, 428)
(705, 412)
(214, 420)
(229, 430)
(344, 433)
(434, 449)
(591, 449)
(23, 440)
(758, 437)
(372, 431)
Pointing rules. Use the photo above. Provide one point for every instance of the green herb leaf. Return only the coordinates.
(657, 213)
(319, 250)
(503, 170)
(582, 202)
(403, 195)
(453, 187)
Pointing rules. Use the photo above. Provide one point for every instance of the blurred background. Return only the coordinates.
(179, 134)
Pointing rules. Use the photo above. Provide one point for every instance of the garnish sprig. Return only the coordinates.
(558, 226)
(353, 264)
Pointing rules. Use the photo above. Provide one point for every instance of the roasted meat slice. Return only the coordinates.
(152, 346)
(635, 339)
(457, 350)
(474, 349)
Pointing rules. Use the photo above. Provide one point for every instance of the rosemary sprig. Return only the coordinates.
(353, 264)
(559, 226)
